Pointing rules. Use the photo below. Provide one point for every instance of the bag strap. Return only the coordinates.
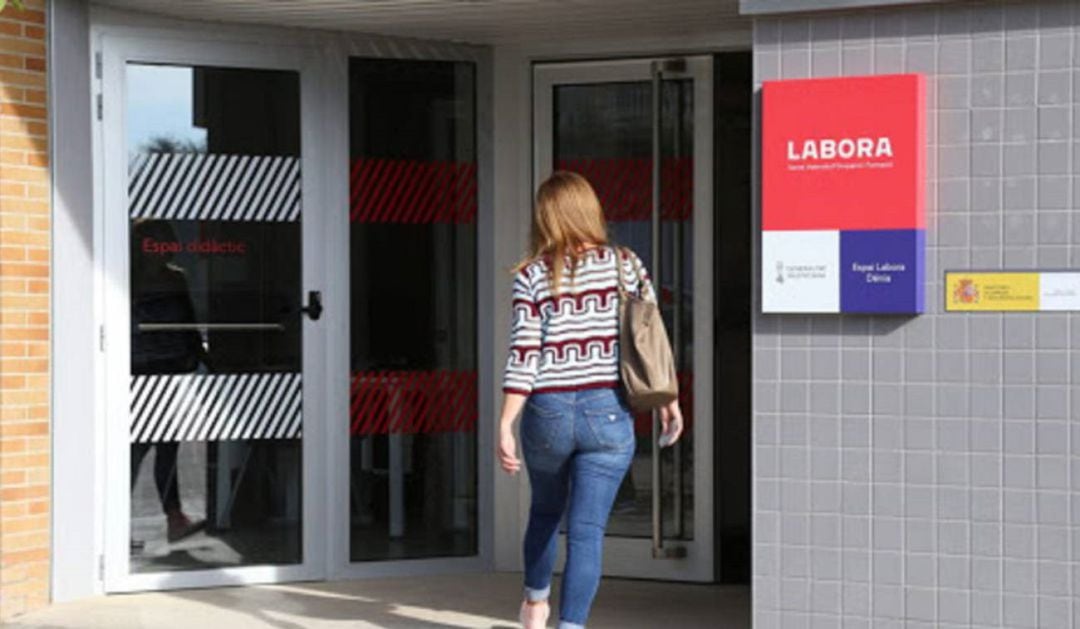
(638, 271)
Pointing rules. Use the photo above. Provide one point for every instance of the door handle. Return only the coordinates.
(314, 306)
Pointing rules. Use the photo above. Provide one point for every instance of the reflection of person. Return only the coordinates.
(577, 431)
(160, 294)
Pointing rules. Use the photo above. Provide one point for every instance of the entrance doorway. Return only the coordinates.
(289, 323)
(641, 131)
(666, 144)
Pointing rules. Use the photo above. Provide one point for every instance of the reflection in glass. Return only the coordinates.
(604, 132)
(215, 398)
(413, 317)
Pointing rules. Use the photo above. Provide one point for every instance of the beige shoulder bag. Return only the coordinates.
(646, 364)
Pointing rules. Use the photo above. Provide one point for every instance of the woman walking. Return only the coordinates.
(577, 432)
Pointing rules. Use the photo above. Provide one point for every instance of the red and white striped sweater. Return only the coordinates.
(570, 342)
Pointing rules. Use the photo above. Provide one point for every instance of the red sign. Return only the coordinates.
(844, 153)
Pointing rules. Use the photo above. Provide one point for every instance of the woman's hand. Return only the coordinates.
(507, 451)
(671, 420)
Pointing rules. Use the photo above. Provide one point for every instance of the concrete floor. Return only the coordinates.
(487, 601)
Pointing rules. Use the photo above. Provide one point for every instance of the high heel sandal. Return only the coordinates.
(523, 615)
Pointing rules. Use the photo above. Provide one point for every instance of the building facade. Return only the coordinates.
(255, 305)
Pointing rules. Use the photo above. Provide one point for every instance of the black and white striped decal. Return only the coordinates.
(197, 186)
(215, 407)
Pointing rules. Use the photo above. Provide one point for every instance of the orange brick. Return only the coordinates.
(36, 191)
(27, 492)
(12, 446)
(22, 525)
(39, 476)
(13, 157)
(22, 398)
(10, 316)
(11, 221)
(19, 140)
(12, 477)
(23, 556)
(13, 414)
(41, 443)
(8, 381)
(13, 286)
(12, 94)
(24, 429)
(25, 539)
(24, 238)
(13, 43)
(40, 411)
(24, 334)
(39, 159)
(29, 205)
(14, 510)
(12, 189)
(21, 302)
(24, 79)
(37, 382)
(22, 173)
(34, 96)
(25, 270)
(24, 365)
(28, 15)
(25, 443)
(40, 506)
(12, 254)
(14, 574)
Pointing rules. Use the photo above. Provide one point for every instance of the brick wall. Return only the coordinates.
(924, 472)
(24, 312)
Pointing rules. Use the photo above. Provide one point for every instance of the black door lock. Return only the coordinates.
(314, 308)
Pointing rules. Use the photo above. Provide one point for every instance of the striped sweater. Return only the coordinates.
(569, 342)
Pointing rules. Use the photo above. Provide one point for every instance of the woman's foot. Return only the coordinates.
(534, 614)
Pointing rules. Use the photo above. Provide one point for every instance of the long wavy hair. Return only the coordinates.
(566, 217)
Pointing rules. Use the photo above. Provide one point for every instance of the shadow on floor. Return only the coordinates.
(480, 601)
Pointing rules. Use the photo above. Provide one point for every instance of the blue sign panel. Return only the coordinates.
(882, 271)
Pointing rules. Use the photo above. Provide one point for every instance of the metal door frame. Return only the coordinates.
(322, 60)
(112, 218)
(634, 557)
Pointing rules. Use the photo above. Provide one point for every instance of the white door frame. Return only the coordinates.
(117, 52)
(322, 60)
(632, 557)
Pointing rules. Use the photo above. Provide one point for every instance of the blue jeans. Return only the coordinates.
(577, 447)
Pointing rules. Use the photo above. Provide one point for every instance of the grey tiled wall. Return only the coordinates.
(924, 472)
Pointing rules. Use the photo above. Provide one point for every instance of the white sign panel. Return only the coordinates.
(801, 271)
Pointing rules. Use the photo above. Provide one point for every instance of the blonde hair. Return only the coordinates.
(566, 217)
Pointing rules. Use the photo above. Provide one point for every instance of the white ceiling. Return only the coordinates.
(473, 21)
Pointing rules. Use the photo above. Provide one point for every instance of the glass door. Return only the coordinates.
(210, 328)
(641, 132)
(410, 230)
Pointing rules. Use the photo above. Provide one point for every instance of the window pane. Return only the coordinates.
(604, 132)
(413, 315)
(215, 394)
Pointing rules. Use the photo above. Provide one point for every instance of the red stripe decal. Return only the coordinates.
(413, 402)
(412, 191)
